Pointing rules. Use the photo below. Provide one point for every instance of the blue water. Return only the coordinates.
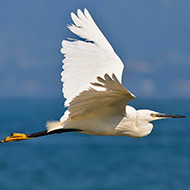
(160, 161)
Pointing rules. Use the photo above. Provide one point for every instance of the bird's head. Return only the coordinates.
(149, 115)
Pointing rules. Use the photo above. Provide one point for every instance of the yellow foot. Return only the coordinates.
(15, 137)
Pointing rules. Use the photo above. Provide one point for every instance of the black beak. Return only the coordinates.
(162, 115)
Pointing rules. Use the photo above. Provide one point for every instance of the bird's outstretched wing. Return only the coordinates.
(85, 60)
(111, 101)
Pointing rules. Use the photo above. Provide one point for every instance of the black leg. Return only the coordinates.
(21, 136)
(58, 131)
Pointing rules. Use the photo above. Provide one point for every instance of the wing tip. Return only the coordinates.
(72, 15)
(79, 12)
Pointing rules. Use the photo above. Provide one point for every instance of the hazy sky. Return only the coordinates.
(151, 38)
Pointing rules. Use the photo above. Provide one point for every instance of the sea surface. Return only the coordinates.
(160, 161)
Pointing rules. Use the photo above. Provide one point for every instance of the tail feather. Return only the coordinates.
(54, 125)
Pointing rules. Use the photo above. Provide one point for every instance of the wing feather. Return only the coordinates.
(85, 60)
(111, 101)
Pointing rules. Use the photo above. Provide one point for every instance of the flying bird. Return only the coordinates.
(96, 100)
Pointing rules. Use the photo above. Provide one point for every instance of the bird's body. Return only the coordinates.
(127, 124)
(96, 100)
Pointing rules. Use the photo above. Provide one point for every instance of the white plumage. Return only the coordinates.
(86, 60)
(95, 97)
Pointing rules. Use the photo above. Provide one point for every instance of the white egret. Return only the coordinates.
(96, 100)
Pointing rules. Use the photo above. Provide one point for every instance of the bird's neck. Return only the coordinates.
(144, 128)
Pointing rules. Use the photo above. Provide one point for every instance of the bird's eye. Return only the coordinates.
(153, 114)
